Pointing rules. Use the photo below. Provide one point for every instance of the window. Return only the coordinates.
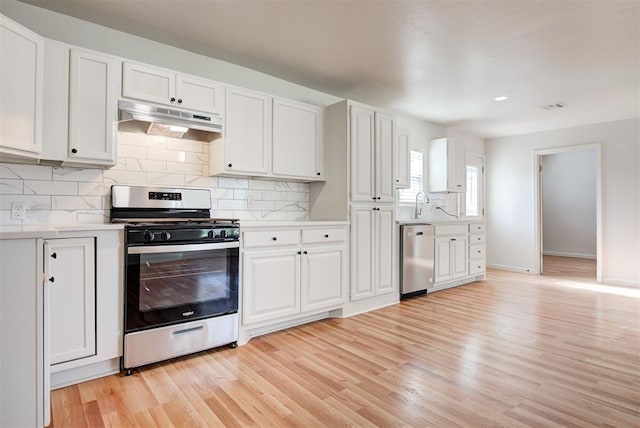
(473, 196)
(473, 209)
(408, 196)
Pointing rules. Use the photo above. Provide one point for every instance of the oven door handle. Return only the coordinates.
(181, 248)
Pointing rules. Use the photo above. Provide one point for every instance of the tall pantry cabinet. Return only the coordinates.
(359, 167)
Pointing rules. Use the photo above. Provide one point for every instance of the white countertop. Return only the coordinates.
(437, 221)
(27, 231)
(284, 223)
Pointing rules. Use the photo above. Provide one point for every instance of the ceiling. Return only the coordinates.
(442, 61)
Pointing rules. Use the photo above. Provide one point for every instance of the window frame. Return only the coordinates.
(406, 200)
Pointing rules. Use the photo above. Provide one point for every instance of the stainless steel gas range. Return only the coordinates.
(181, 273)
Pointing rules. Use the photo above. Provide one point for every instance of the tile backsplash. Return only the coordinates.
(55, 194)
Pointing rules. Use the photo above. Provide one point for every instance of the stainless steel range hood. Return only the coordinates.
(155, 120)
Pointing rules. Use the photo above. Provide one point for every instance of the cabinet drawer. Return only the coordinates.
(476, 228)
(451, 229)
(319, 236)
(270, 238)
(477, 266)
(476, 239)
(477, 251)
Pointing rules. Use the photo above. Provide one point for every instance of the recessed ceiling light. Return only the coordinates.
(501, 98)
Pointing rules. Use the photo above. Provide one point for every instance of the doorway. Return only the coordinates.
(568, 212)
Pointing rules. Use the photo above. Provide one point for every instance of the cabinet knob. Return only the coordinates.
(374, 198)
(459, 185)
(378, 198)
(317, 173)
(54, 255)
(453, 239)
(275, 238)
(74, 150)
(172, 99)
(326, 236)
(397, 180)
(304, 252)
(230, 165)
(179, 100)
(52, 279)
(299, 252)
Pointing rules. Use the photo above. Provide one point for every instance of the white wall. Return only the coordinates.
(510, 188)
(569, 204)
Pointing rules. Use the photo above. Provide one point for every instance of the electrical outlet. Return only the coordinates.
(18, 211)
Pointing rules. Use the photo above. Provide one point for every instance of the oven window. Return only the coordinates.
(176, 286)
(169, 280)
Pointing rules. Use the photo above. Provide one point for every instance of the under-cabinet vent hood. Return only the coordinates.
(155, 120)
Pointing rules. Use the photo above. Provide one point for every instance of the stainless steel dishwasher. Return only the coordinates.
(416, 258)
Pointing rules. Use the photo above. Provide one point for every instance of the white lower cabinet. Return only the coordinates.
(83, 275)
(371, 250)
(71, 272)
(450, 253)
(293, 277)
(24, 394)
(322, 277)
(459, 254)
(271, 281)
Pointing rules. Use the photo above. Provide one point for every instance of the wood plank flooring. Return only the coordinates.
(515, 350)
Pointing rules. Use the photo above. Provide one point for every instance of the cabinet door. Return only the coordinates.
(70, 269)
(271, 281)
(297, 139)
(383, 247)
(384, 158)
(459, 257)
(93, 94)
(362, 276)
(362, 154)
(402, 159)
(247, 131)
(148, 83)
(21, 89)
(456, 168)
(199, 94)
(442, 259)
(323, 277)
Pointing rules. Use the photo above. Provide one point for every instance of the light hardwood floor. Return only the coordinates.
(515, 350)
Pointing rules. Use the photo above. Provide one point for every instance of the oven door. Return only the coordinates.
(168, 284)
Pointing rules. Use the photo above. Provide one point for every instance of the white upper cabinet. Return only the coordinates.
(93, 111)
(247, 136)
(402, 172)
(21, 90)
(161, 86)
(446, 166)
(362, 154)
(371, 156)
(269, 137)
(384, 158)
(199, 94)
(297, 139)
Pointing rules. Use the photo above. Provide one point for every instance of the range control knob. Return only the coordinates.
(165, 236)
(149, 236)
(223, 233)
(211, 234)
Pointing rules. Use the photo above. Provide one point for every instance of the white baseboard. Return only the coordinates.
(517, 269)
(574, 255)
(84, 373)
(622, 282)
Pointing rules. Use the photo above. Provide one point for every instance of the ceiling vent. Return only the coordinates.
(554, 106)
